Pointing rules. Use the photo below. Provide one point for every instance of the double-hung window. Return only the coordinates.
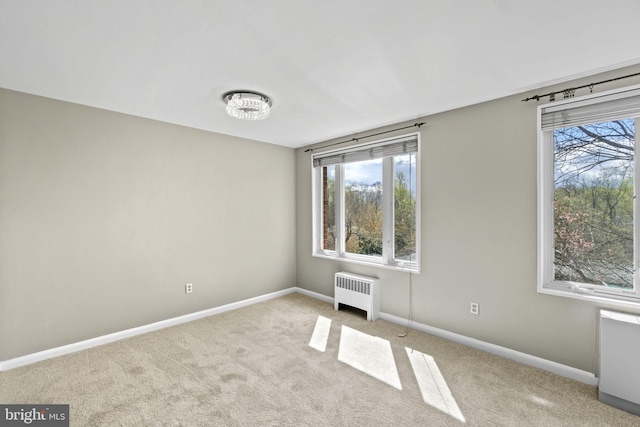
(588, 229)
(366, 203)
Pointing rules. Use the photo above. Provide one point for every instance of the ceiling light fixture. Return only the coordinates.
(247, 105)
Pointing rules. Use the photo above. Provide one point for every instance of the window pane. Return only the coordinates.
(404, 195)
(328, 208)
(363, 207)
(593, 203)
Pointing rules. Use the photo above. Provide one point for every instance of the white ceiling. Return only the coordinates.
(331, 67)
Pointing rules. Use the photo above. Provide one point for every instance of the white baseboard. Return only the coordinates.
(507, 353)
(526, 359)
(315, 295)
(547, 365)
(105, 339)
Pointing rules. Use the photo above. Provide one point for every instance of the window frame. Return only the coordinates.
(387, 260)
(546, 283)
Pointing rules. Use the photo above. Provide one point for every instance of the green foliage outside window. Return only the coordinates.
(593, 204)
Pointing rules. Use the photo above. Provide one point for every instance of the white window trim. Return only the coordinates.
(387, 260)
(545, 221)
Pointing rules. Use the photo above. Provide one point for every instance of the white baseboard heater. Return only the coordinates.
(357, 291)
(619, 383)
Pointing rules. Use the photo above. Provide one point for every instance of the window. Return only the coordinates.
(587, 222)
(366, 203)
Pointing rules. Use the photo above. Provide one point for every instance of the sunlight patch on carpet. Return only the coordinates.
(320, 334)
(434, 388)
(369, 354)
(541, 401)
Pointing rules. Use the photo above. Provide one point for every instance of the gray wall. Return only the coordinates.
(478, 235)
(105, 217)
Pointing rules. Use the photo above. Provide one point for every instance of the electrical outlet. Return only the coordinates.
(188, 288)
(474, 308)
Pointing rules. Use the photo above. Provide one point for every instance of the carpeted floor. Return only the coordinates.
(254, 367)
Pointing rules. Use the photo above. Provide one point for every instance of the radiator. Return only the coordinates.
(619, 383)
(359, 292)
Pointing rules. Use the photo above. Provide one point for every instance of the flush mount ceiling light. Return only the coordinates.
(247, 105)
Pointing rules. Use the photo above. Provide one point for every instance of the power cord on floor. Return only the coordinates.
(406, 329)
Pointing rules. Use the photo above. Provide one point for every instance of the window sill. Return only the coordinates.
(395, 267)
(593, 296)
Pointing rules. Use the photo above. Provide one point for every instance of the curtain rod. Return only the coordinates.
(364, 137)
(568, 93)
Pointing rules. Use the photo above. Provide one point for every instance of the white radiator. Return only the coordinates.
(619, 383)
(359, 292)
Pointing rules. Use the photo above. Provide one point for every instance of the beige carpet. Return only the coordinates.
(254, 367)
